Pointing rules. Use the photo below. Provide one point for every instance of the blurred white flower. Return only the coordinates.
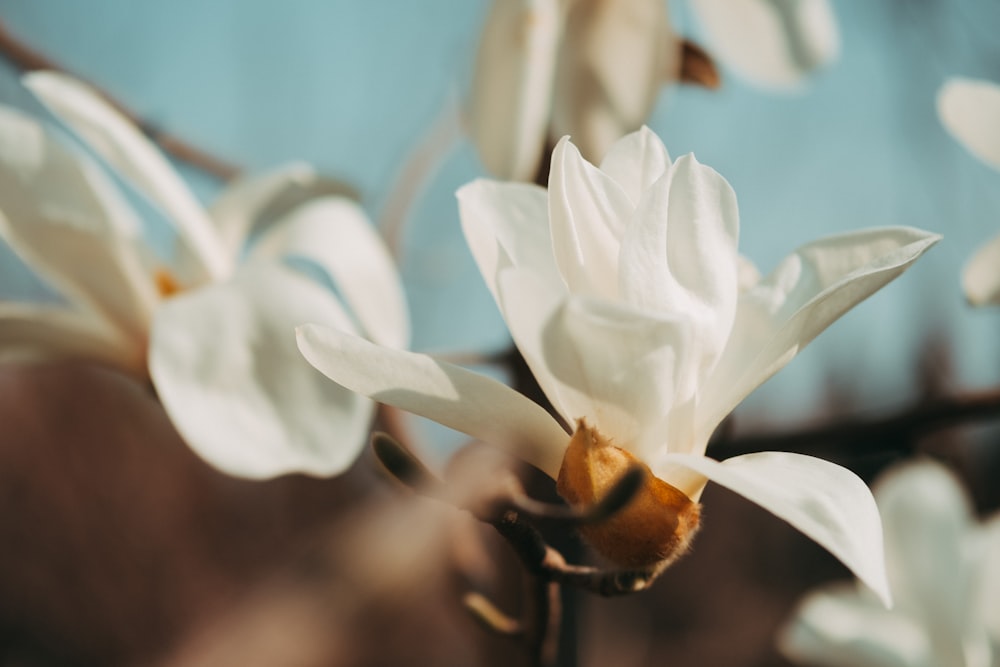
(944, 574)
(772, 43)
(970, 111)
(212, 329)
(621, 286)
(588, 68)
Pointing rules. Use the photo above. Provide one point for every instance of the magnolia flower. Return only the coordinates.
(621, 287)
(970, 110)
(944, 574)
(588, 68)
(772, 43)
(210, 327)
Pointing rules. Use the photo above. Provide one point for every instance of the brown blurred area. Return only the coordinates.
(118, 546)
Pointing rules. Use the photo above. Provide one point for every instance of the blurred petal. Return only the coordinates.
(465, 401)
(775, 43)
(335, 234)
(636, 161)
(225, 365)
(808, 291)
(256, 200)
(970, 110)
(118, 141)
(507, 224)
(612, 62)
(68, 222)
(588, 211)
(981, 275)
(679, 257)
(828, 503)
(988, 600)
(512, 87)
(839, 626)
(35, 332)
(926, 517)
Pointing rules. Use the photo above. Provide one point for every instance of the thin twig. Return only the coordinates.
(27, 59)
(865, 436)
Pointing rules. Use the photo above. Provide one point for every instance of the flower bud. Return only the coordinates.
(652, 530)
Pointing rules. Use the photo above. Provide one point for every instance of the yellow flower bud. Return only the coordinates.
(652, 530)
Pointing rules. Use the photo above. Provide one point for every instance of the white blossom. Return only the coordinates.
(211, 327)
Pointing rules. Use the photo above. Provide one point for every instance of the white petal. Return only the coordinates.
(36, 332)
(612, 61)
(512, 87)
(225, 365)
(636, 161)
(617, 367)
(465, 401)
(62, 216)
(679, 259)
(119, 142)
(335, 234)
(588, 211)
(828, 503)
(970, 110)
(839, 626)
(256, 200)
(981, 275)
(775, 44)
(988, 600)
(926, 517)
(507, 224)
(808, 291)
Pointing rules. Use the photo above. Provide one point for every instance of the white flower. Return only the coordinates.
(212, 330)
(970, 110)
(944, 574)
(588, 68)
(772, 43)
(620, 286)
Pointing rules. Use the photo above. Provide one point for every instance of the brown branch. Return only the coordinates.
(862, 436)
(27, 59)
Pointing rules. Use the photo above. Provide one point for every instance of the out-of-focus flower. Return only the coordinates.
(588, 68)
(970, 111)
(944, 574)
(211, 328)
(623, 290)
(772, 43)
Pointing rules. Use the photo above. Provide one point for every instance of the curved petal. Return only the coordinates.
(119, 142)
(808, 291)
(988, 606)
(35, 332)
(465, 401)
(926, 517)
(507, 224)
(839, 626)
(636, 161)
(970, 111)
(224, 362)
(775, 43)
(612, 61)
(679, 257)
(335, 234)
(827, 503)
(512, 87)
(256, 200)
(981, 275)
(588, 211)
(618, 368)
(60, 214)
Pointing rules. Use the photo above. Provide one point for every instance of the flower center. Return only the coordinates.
(652, 530)
(166, 284)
